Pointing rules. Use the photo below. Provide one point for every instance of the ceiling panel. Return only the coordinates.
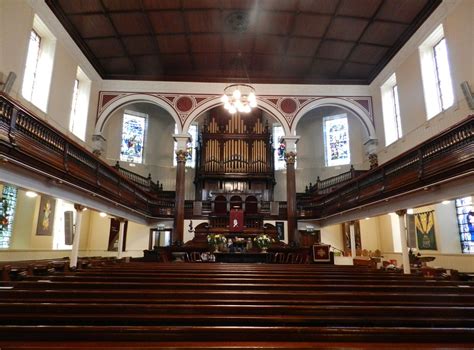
(130, 23)
(370, 54)
(119, 5)
(71, 7)
(108, 47)
(119, 65)
(269, 44)
(305, 41)
(383, 33)
(325, 69)
(335, 49)
(172, 43)
(302, 46)
(91, 26)
(359, 8)
(274, 22)
(205, 43)
(344, 28)
(204, 21)
(401, 10)
(167, 22)
(141, 45)
(318, 6)
(311, 25)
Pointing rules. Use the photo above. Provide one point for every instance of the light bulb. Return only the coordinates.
(247, 109)
(224, 98)
(253, 103)
(102, 214)
(236, 94)
(227, 105)
(232, 110)
(31, 194)
(251, 97)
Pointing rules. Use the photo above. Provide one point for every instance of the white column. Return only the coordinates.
(403, 241)
(353, 239)
(77, 237)
(120, 238)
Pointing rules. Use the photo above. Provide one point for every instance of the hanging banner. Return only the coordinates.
(425, 231)
(236, 223)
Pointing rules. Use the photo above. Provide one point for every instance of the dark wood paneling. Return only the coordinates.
(272, 28)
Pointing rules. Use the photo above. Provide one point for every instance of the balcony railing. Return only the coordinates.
(35, 144)
(447, 155)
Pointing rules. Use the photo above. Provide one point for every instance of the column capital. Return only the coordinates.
(79, 207)
(401, 212)
(181, 140)
(290, 157)
(290, 142)
(181, 155)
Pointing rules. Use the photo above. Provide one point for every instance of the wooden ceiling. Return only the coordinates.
(281, 41)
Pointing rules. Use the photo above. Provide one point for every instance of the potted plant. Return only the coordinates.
(263, 241)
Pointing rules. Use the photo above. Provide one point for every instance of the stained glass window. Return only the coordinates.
(279, 147)
(336, 140)
(190, 146)
(7, 214)
(465, 216)
(133, 136)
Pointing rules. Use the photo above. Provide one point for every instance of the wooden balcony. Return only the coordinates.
(31, 143)
(444, 157)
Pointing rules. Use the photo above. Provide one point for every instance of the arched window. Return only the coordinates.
(133, 137)
(336, 140)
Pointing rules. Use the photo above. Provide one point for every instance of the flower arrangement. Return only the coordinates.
(216, 239)
(263, 241)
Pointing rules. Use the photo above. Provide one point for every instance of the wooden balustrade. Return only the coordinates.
(33, 143)
(447, 155)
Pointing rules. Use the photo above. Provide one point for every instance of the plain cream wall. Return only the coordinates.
(332, 235)
(458, 22)
(370, 234)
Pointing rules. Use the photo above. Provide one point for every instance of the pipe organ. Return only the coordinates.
(235, 154)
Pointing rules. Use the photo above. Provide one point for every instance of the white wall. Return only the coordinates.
(457, 18)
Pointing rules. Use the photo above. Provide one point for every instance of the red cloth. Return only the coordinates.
(236, 223)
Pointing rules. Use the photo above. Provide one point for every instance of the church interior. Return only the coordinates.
(236, 174)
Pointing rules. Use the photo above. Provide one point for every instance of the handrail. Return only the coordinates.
(441, 157)
(329, 184)
(33, 142)
(144, 182)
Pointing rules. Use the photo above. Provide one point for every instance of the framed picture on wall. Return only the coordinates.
(46, 216)
(280, 227)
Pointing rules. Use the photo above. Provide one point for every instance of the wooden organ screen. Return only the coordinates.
(236, 152)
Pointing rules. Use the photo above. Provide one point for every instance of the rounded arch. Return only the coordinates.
(359, 112)
(134, 98)
(263, 105)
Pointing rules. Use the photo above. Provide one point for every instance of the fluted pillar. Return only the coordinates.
(290, 159)
(181, 156)
(77, 236)
(403, 240)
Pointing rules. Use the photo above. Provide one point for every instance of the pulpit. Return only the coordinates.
(322, 253)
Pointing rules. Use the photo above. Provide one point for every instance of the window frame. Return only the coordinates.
(430, 72)
(329, 163)
(145, 129)
(391, 110)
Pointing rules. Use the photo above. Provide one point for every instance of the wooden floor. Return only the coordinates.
(234, 306)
